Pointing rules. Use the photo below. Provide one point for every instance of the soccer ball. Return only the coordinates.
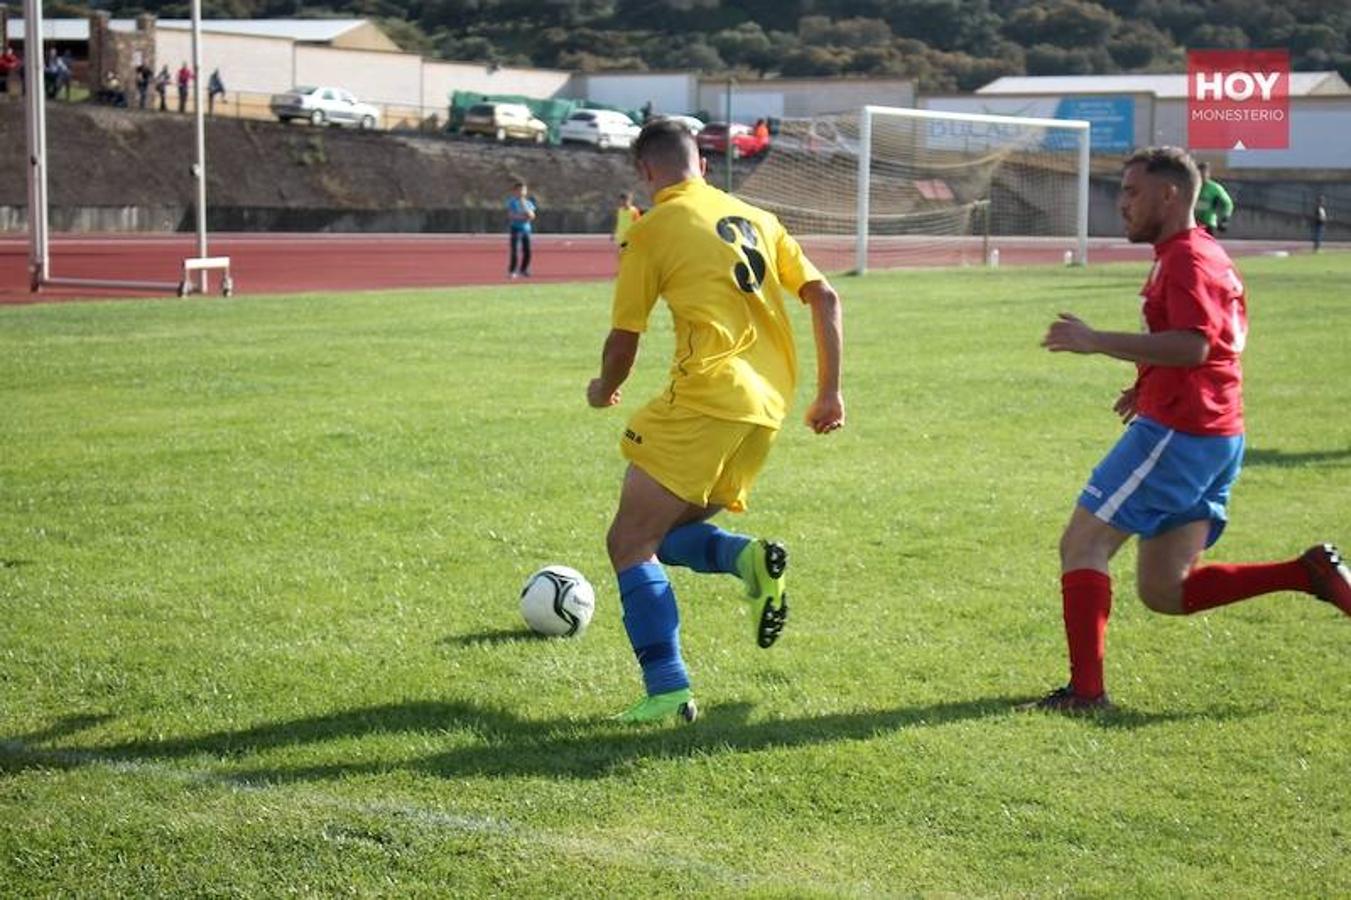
(557, 601)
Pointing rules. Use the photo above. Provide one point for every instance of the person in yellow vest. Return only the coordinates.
(625, 215)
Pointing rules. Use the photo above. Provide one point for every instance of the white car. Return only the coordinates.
(694, 125)
(324, 105)
(602, 127)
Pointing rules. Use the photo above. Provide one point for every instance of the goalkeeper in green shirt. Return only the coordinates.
(1214, 206)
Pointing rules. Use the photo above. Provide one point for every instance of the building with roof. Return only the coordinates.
(1161, 86)
(351, 34)
(258, 58)
(1156, 107)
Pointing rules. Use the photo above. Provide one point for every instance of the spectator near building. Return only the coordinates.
(9, 62)
(215, 87)
(184, 79)
(144, 76)
(162, 87)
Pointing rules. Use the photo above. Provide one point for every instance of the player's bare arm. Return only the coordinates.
(826, 413)
(1180, 348)
(616, 362)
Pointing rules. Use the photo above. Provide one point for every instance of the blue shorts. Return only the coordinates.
(1156, 479)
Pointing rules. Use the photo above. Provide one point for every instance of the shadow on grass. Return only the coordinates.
(504, 745)
(1281, 459)
(493, 637)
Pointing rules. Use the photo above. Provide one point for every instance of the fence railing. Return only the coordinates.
(244, 105)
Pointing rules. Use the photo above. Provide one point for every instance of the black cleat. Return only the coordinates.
(1064, 700)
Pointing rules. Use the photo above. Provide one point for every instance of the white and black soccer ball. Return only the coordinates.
(557, 601)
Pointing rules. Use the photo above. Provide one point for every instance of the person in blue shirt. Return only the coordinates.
(520, 215)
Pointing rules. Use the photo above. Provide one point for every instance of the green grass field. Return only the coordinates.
(259, 562)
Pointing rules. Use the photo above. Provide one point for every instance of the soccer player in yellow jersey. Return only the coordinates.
(723, 267)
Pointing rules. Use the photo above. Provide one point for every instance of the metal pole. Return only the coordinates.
(730, 81)
(199, 169)
(865, 141)
(39, 262)
(1085, 136)
(984, 206)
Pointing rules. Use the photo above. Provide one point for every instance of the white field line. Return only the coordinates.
(636, 853)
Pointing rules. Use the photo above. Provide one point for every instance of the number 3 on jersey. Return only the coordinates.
(740, 233)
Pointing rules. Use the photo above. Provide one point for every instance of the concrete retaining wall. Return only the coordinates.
(95, 219)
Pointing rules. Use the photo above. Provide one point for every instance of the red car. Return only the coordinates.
(745, 142)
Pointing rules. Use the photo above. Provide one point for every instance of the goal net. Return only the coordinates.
(887, 188)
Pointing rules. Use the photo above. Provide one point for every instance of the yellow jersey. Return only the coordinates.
(723, 267)
(625, 216)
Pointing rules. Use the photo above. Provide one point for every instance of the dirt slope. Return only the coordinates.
(103, 157)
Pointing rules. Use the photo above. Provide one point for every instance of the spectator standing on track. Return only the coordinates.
(184, 79)
(144, 75)
(162, 87)
(215, 87)
(1320, 221)
(625, 215)
(1213, 205)
(520, 216)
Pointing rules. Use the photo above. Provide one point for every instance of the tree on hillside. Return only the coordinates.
(945, 45)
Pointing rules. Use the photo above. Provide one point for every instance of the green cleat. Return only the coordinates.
(659, 706)
(762, 566)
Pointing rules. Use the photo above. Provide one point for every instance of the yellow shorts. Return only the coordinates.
(700, 459)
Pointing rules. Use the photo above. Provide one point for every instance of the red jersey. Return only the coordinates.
(1193, 287)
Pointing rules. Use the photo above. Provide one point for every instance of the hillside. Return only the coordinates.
(295, 177)
(944, 45)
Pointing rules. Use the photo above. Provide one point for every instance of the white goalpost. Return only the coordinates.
(195, 269)
(883, 187)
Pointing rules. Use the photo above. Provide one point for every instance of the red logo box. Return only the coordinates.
(1238, 99)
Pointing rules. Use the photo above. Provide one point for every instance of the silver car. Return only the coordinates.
(323, 106)
(602, 127)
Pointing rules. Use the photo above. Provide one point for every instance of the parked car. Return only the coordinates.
(694, 125)
(324, 105)
(503, 121)
(713, 140)
(602, 127)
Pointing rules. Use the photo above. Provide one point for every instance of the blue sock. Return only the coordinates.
(653, 625)
(703, 547)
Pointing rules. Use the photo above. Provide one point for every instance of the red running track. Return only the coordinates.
(333, 263)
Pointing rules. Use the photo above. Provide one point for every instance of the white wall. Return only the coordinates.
(373, 76)
(668, 92)
(1320, 138)
(246, 63)
(440, 79)
(747, 106)
(1170, 123)
(803, 96)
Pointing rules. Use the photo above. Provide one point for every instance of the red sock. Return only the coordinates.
(1087, 602)
(1209, 586)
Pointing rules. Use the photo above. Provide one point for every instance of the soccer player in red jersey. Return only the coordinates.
(1168, 478)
